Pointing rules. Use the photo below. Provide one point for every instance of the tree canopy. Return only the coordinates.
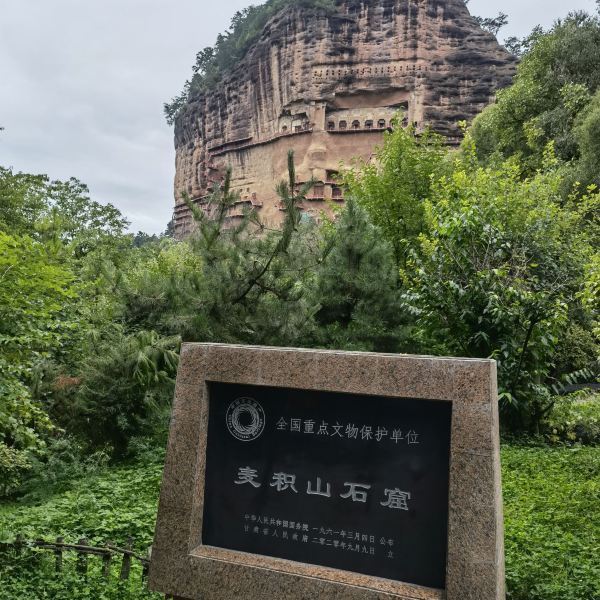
(553, 99)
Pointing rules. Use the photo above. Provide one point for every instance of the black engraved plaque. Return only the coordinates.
(353, 482)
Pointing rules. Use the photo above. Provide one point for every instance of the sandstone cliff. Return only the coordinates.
(311, 75)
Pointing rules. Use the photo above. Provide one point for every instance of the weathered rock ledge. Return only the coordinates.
(326, 86)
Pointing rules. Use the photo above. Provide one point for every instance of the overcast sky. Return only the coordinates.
(82, 84)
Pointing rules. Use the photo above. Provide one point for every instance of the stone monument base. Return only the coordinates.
(283, 382)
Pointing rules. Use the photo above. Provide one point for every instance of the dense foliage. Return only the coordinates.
(492, 265)
(554, 99)
(436, 254)
(551, 500)
(394, 188)
(498, 273)
(36, 295)
(356, 290)
(108, 505)
(60, 254)
(574, 418)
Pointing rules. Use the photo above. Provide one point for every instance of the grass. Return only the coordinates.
(552, 516)
(552, 522)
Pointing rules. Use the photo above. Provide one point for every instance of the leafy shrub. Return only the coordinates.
(577, 351)
(32, 576)
(13, 464)
(23, 426)
(591, 292)
(64, 461)
(500, 266)
(113, 504)
(574, 418)
(36, 292)
(125, 381)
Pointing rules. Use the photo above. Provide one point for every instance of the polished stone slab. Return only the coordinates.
(183, 567)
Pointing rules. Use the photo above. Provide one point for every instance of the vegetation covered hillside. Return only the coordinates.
(555, 100)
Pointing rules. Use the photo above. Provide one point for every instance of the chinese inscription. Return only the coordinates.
(347, 540)
(350, 482)
(357, 492)
(349, 431)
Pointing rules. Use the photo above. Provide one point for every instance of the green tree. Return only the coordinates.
(587, 133)
(36, 206)
(394, 186)
(124, 381)
(555, 82)
(22, 200)
(492, 24)
(499, 273)
(251, 278)
(151, 290)
(36, 294)
(356, 288)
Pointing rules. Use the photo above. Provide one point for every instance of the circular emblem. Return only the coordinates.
(245, 419)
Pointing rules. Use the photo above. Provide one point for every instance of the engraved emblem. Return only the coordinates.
(245, 419)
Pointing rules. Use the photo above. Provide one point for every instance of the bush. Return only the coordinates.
(498, 274)
(32, 576)
(125, 382)
(37, 294)
(108, 506)
(113, 504)
(574, 418)
(23, 425)
(64, 461)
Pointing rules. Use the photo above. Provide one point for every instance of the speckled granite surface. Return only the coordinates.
(475, 567)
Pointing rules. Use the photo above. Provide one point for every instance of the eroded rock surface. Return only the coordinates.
(327, 86)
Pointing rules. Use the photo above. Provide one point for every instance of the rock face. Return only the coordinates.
(327, 86)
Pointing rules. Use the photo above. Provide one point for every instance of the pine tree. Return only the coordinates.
(357, 288)
(251, 282)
